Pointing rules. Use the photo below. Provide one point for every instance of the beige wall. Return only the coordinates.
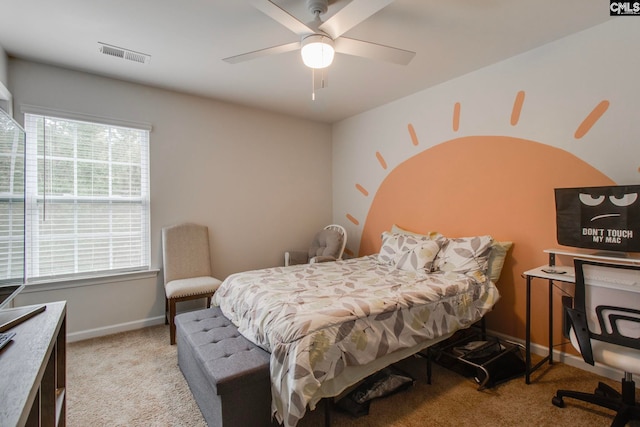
(260, 181)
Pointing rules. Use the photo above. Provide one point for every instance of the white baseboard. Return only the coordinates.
(567, 359)
(114, 329)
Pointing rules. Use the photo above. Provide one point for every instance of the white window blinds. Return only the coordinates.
(87, 198)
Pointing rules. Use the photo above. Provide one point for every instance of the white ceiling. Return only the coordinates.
(187, 40)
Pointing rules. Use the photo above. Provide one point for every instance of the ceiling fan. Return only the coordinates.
(319, 40)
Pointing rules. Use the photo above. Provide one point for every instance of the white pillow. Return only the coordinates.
(408, 252)
(466, 255)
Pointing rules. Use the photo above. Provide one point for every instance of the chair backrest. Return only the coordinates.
(606, 305)
(185, 251)
(340, 229)
(331, 241)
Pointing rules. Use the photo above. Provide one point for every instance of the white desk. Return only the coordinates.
(538, 273)
(564, 274)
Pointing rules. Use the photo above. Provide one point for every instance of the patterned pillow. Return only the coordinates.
(408, 252)
(466, 255)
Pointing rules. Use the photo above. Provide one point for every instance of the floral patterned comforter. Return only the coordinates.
(316, 319)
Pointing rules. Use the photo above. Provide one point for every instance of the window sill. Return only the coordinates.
(76, 282)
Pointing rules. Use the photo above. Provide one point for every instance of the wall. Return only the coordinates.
(243, 172)
(481, 154)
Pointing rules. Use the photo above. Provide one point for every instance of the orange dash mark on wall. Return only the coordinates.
(517, 108)
(352, 219)
(381, 160)
(362, 190)
(591, 119)
(412, 133)
(456, 117)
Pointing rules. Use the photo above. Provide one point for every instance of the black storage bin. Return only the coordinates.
(487, 359)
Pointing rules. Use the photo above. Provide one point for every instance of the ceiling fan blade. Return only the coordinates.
(373, 51)
(351, 15)
(262, 52)
(280, 15)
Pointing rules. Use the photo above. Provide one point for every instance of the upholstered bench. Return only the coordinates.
(227, 374)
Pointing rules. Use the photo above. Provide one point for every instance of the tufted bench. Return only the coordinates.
(227, 374)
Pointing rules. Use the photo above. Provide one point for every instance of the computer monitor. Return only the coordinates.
(603, 218)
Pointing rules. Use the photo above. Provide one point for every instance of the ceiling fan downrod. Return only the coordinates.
(318, 7)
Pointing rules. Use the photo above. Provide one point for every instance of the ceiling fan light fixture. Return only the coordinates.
(317, 51)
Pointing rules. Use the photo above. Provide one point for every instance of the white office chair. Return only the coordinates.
(187, 268)
(605, 329)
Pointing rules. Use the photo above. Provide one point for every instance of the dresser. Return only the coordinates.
(33, 371)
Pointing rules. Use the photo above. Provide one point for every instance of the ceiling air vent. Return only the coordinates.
(127, 54)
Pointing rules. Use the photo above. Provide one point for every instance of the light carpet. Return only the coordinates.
(132, 379)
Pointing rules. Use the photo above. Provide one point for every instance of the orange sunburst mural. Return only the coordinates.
(471, 185)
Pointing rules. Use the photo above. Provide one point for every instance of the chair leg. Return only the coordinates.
(622, 417)
(172, 323)
(623, 403)
(558, 399)
(606, 390)
(166, 310)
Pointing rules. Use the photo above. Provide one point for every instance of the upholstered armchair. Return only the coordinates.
(327, 245)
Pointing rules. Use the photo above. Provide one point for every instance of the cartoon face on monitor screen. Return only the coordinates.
(606, 218)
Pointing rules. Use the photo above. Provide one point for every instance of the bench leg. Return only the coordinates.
(327, 412)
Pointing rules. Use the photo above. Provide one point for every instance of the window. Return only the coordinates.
(87, 198)
(11, 200)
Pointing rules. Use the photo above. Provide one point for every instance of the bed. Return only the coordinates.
(330, 325)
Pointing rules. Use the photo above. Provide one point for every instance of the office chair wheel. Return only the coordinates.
(557, 401)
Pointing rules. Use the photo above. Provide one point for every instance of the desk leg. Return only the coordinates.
(550, 322)
(527, 346)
